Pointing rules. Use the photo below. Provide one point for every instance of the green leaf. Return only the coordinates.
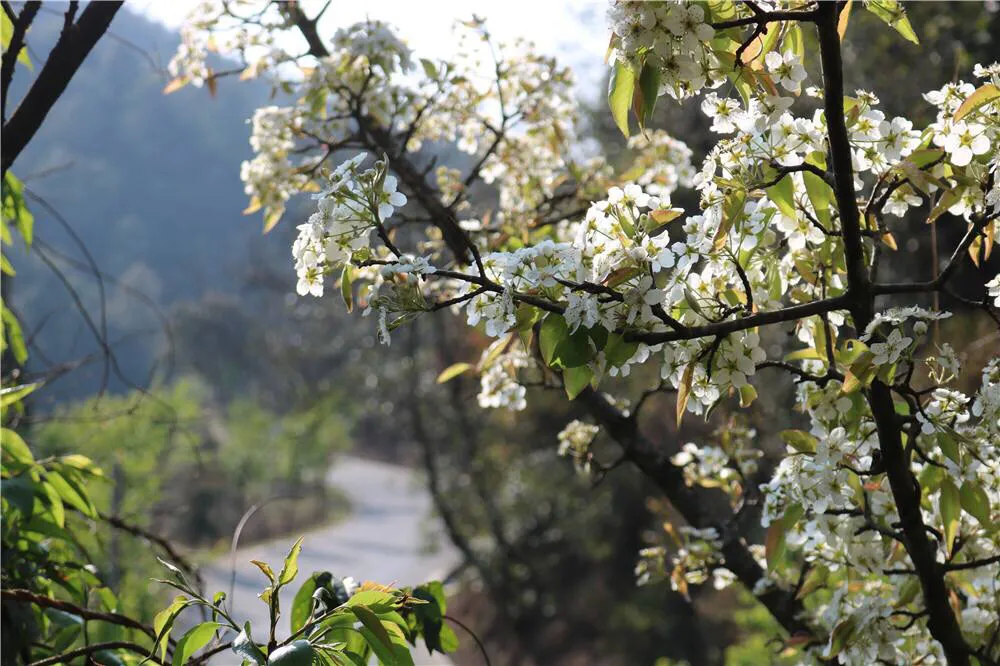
(660, 218)
(820, 195)
(374, 625)
(449, 641)
(302, 604)
(782, 194)
(976, 503)
(617, 351)
(861, 372)
(684, 390)
(82, 463)
(14, 208)
(272, 215)
(20, 493)
(844, 19)
(551, 333)
(429, 68)
(774, 542)
(644, 100)
(109, 658)
(732, 209)
(266, 568)
(982, 96)
(375, 600)
(947, 200)
(842, 635)
(892, 13)
(195, 639)
(747, 395)
(923, 158)
(950, 503)
(346, 292)
(453, 371)
(949, 447)
(808, 354)
(56, 508)
(620, 92)
(793, 41)
(71, 493)
(15, 447)
(163, 623)
(576, 379)
(291, 567)
(799, 440)
(12, 335)
(13, 394)
(527, 315)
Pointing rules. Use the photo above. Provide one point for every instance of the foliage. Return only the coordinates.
(332, 621)
(47, 571)
(578, 293)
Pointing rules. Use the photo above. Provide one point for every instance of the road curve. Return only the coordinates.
(385, 539)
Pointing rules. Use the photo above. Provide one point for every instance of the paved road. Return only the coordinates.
(384, 539)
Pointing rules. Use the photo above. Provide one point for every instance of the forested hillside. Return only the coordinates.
(150, 185)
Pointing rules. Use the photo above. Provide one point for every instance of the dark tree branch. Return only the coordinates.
(21, 23)
(942, 279)
(164, 545)
(67, 657)
(906, 491)
(791, 313)
(73, 46)
(85, 613)
(696, 505)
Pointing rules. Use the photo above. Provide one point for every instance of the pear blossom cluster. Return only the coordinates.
(574, 442)
(270, 179)
(725, 466)
(354, 204)
(214, 27)
(672, 38)
(499, 382)
(695, 560)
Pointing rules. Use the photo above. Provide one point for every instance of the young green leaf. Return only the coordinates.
(950, 505)
(644, 100)
(982, 96)
(291, 567)
(684, 390)
(15, 447)
(620, 92)
(976, 503)
(576, 379)
(302, 604)
(453, 371)
(195, 639)
(346, 290)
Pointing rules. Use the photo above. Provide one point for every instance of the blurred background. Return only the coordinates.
(187, 367)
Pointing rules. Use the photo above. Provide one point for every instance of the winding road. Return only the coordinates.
(390, 536)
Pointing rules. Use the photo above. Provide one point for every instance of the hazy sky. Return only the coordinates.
(573, 30)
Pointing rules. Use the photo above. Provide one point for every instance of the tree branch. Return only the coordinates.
(695, 505)
(64, 60)
(21, 24)
(906, 491)
(67, 657)
(47, 602)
